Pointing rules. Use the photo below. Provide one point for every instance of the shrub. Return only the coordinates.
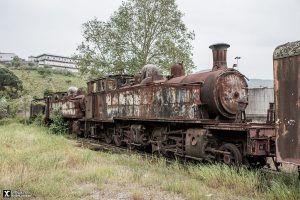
(6, 121)
(58, 125)
(30, 68)
(13, 107)
(47, 92)
(10, 83)
(63, 72)
(16, 62)
(31, 64)
(44, 72)
(3, 108)
(39, 120)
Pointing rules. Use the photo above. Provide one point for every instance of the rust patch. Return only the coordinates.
(287, 95)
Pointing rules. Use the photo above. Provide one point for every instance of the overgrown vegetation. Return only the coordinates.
(3, 108)
(11, 89)
(48, 166)
(10, 84)
(19, 85)
(58, 125)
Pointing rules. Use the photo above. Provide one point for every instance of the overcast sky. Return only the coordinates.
(253, 28)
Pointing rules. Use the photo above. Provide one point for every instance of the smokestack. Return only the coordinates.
(219, 55)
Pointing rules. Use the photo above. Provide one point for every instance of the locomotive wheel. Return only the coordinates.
(235, 156)
(108, 136)
(156, 150)
(117, 140)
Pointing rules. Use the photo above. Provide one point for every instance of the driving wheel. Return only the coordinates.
(232, 156)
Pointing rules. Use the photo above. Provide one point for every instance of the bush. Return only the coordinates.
(13, 107)
(47, 92)
(39, 120)
(63, 72)
(10, 83)
(3, 108)
(58, 125)
(16, 62)
(44, 72)
(6, 121)
(28, 68)
(31, 64)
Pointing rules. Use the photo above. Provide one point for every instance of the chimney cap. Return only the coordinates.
(219, 45)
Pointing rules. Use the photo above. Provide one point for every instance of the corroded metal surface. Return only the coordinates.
(287, 102)
(221, 91)
(153, 102)
(177, 70)
(177, 98)
(261, 140)
(195, 141)
(287, 50)
(71, 106)
(219, 55)
(37, 107)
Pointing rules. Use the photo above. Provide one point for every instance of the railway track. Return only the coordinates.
(97, 145)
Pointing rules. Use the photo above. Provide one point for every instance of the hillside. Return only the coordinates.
(36, 83)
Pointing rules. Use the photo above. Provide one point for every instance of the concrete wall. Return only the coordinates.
(259, 99)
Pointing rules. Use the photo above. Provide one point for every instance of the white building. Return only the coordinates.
(7, 57)
(54, 62)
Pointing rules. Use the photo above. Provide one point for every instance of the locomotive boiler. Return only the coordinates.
(198, 116)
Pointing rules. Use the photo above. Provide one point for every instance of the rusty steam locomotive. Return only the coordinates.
(199, 116)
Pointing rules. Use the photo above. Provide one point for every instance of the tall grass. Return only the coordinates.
(48, 166)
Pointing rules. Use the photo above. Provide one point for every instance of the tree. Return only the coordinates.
(138, 33)
(16, 62)
(9, 82)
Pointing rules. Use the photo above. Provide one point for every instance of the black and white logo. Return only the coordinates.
(6, 193)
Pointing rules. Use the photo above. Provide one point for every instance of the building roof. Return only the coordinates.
(7, 53)
(47, 54)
